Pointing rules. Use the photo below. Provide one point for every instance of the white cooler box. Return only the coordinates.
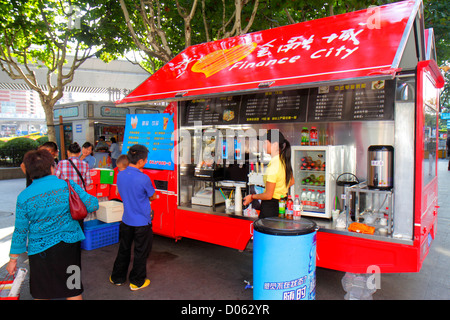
(110, 211)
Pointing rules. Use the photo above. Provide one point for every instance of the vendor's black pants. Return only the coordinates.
(269, 208)
(143, 240)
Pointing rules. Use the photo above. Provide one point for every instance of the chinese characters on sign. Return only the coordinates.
(371, 100)
(155, 132)
(341, 44)
(292, 292)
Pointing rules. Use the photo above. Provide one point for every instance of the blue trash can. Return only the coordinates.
(284, 259)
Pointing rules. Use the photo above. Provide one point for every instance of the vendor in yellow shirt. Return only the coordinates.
(278, 176)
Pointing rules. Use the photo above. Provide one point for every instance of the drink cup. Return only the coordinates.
(335, 214)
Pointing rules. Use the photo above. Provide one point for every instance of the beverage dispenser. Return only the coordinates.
(380, 164)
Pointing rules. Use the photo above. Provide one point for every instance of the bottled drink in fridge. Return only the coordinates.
(303, 198)
(289, 208)
(312, 201)
(308, 199)
(305, 137)
(297, 208)
(282, 208)
(313, 137)
(321, 201)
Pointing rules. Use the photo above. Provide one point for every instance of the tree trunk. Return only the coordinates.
(51, 129)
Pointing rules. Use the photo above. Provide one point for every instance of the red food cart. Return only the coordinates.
(361, 79)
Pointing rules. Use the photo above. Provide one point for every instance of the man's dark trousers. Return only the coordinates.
(143, 240)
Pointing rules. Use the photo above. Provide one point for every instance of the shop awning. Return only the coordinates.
(356, 45)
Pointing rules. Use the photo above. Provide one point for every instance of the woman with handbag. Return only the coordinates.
(73, 168)
(45, 229)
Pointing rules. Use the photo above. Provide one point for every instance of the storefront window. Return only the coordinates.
(430, 132)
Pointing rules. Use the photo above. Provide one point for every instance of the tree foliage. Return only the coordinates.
(52, 35)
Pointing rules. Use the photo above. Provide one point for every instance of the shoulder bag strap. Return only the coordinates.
(79, 174)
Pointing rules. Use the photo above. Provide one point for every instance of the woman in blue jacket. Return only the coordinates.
(44, 228)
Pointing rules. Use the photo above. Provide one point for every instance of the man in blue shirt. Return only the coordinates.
(137, 191)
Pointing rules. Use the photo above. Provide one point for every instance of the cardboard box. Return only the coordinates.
(106, 176)
(102, 176)
(110, 211)
(114, 192)
(92, 189)
(103, 190)
(95, 176)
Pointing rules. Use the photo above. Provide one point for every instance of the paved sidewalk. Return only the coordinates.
(193, 270)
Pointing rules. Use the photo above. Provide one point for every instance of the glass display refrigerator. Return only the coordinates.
(315, 171)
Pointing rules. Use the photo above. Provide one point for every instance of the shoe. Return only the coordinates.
(135, 288)
(115, 283)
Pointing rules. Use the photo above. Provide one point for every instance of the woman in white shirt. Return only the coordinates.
(115, 151)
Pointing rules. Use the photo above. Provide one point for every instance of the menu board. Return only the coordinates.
(155, 132)
(214, 111)
(374, 102)
(274, 107)
(326, 104)
(371, 100)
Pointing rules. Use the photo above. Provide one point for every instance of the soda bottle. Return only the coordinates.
(313, 137)
(321, 201)
(305, 137)
(318, 196)
(312, 201)
(297, 208)
(281, 207)
(308, 199)
(289, 208)
(303, 198)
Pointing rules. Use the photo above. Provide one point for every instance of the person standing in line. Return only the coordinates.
(44, 228)
(136, 189)
(86, 154)
(278, 177)
(51, 147)
(66, 168)
(122, 163)
(115, 152)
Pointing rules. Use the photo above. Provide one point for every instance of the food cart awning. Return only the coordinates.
(367, 43)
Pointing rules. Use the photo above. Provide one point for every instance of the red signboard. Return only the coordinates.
(352, 45)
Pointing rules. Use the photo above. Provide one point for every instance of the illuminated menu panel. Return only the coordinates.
(372, 100)
(274, 107)
(214, 111)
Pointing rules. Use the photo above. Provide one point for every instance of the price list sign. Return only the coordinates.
(274, 107)
(372, 100)
(215, 111)
(155, 132)
(326, 104)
